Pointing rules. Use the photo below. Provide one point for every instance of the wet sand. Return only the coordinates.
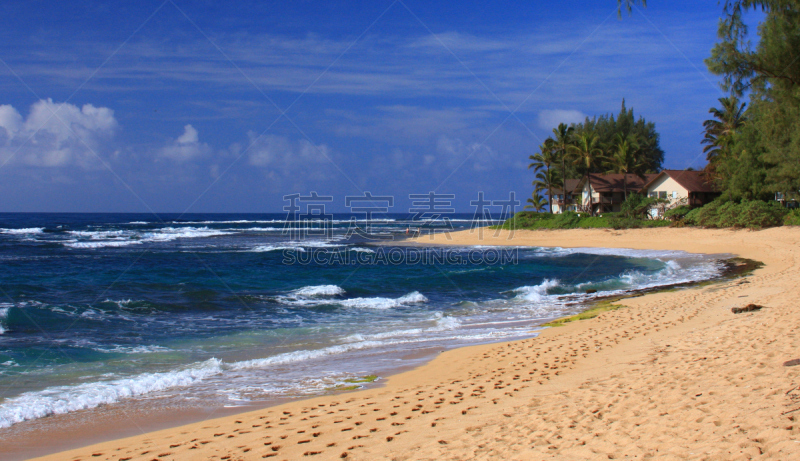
(672, 375)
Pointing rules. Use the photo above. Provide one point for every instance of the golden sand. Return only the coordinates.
(673, 375)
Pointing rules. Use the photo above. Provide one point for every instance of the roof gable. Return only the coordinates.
(692, 181)
(618, 182)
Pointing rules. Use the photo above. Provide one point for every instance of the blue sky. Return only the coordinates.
(204, 106)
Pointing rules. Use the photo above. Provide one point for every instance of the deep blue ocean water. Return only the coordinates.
(233, 309)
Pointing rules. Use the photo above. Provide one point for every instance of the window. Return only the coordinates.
(653, 194)
(674, 194)
(662, 194)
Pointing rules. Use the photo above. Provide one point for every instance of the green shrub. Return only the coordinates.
(637, 206)
(677, 213)
(572, 220)
(626, 223)
(728, 215)
(706, 216)
(756, 214)
(595, 222)
(566, 220)
(792, 218)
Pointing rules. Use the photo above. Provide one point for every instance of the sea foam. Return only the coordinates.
(536, 292)
(318, 290)
(3, 315)
(121, 238)
(64, 399)
(28, 230)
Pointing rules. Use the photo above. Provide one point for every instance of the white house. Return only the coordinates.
(564, 200)
(679, 187)
(608, 190)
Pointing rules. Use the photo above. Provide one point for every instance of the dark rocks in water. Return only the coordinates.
(747, 308)
(588, 292)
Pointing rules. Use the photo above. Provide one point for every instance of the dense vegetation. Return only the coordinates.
(641, 136)
(604, 144)
(753, 151)
(572, 220)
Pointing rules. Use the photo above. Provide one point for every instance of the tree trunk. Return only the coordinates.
(625, 185)
(563, 179)
(591, 200)
(550, 190)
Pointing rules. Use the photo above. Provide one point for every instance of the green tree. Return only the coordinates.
(537, 203)
(720, 131)
(546, 179)
(770, 71)
(542, 166)
(606, 127)
(561, 141)
(588, 156)
(774, 62)
(625, 159)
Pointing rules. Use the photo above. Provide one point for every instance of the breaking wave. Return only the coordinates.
(3, 315)
(64, 399)
(537, 292)
(312, 296)
(28, 230)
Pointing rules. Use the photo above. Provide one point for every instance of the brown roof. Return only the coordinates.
(572, 185)
(692, 181)
(615, 183)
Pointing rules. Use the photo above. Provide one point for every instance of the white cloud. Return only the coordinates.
(186, 147)
(55, 134)
(549, 119)
(455, 152)
(10, 120)
(279, 153)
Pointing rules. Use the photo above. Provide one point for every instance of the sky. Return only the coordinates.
(200, 106)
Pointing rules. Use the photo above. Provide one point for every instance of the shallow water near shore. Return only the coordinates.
(230, 312)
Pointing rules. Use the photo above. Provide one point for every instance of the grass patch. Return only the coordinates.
(342, 387)
(353, 383)
(597, 309)
(365, 379)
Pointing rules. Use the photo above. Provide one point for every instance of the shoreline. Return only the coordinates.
(446, 368)
(58, 439)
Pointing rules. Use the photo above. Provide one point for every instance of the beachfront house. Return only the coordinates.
(608, 191)
(564, 199)
(679, 188)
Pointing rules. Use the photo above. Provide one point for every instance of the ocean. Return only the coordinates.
(237, 310)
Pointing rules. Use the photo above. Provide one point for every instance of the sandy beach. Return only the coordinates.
(672, 375)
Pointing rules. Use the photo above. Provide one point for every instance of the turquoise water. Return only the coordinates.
(231, 309)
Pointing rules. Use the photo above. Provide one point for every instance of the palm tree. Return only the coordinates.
(589, 156)
(544, 161)
(536, 202)
(546, 180)
(625, 158)
(719, 132)
(561, 142)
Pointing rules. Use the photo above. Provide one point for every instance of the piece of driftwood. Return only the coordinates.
(590, 291)
(747, 308)
(791, 363)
